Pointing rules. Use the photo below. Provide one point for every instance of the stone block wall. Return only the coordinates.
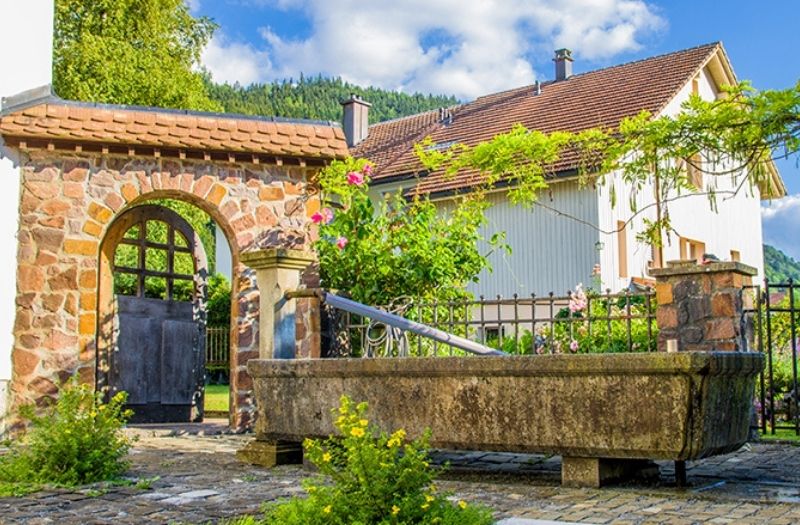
(700, 306)
(67, 204)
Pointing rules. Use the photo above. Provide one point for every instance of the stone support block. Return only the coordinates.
(271, 453)
(598, 472)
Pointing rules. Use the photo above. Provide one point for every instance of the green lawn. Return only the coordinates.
(782, 434)
(217, 398)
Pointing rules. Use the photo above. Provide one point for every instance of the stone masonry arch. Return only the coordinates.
(71, 194)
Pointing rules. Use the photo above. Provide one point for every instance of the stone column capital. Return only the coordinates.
(278, 258)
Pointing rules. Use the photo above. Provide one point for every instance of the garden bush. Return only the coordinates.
(370, 478)
(76, 440)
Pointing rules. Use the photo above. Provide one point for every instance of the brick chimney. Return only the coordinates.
(356, 119)
(563, 60)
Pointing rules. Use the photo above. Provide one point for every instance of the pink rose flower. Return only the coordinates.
(341, 242)
(367, 170)
(355, 178)
(325, 215)
(573, 346)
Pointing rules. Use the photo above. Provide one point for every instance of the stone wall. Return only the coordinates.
(66, 207)
(700, 306)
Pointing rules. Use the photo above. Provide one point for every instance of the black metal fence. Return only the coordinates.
(576, 322)
(218, 348)
(772, 319)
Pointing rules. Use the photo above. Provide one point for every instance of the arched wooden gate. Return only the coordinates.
(158, 349)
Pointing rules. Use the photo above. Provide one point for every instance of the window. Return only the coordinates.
(655, 256)
(622, 249)
(691, 249)
(735, 256)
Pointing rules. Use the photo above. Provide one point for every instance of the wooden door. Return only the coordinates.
(159, 290)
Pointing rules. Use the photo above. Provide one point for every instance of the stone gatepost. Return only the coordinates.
(277, 271)
(700, 306)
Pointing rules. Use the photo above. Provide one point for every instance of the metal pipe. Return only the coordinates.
(411, 326)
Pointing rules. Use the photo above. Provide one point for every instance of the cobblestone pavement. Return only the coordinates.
(201, 481)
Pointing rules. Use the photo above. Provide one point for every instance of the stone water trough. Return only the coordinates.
(605, 414)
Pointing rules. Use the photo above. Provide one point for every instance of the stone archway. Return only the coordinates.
(84, 164)
(152, 343)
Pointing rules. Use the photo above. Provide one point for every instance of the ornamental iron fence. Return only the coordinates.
(771, 322)
(576, 322)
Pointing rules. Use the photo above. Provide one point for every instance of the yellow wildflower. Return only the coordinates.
(327, 510)
(340, 420)
(429, 498)
(395, 510)
(425, 506)
(462, 504)
(326, 457)
(357, 432)
(363, 422)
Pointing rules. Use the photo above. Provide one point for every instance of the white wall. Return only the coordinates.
(736, 225)
(26, 40)
(224, 262)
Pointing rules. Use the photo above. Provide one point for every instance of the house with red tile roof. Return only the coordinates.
(574, 234)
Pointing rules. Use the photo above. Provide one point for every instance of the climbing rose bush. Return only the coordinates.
(394, 247)
(371, 477)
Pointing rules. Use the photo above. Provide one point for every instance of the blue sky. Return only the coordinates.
(471, 47)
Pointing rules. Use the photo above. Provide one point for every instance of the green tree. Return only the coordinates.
(318, 98)
(141, 52)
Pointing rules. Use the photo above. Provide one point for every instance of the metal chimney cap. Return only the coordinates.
(563, 54)
(353, 98)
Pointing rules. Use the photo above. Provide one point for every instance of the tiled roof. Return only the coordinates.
(73, 122)
(599, 98)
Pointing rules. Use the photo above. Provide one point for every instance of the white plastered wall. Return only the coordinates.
(736, 225)
(26, 41)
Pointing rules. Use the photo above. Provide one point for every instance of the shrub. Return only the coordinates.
(376, 478)
(76, 440)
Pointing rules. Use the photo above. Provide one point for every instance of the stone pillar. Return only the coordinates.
(277, 272)
(700, 306)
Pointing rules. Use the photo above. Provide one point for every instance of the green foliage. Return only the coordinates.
(318, 98)
(370, 478)
(590, 324)
(77, 440)
(395, 248)
(779, 267)
(219, 301)
(130, 52)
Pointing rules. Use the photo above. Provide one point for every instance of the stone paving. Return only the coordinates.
(200, 481)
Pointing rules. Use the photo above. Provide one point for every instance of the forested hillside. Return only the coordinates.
(318, 98)
(779, 267)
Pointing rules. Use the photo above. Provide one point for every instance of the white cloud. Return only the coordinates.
(194, 5)
(781, 223)
(235, 62)
(481, 45)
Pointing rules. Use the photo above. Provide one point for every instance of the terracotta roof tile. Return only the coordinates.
(598, 98)
(56, 119)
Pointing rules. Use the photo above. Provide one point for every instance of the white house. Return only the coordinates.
(27, 28)
(574, 235)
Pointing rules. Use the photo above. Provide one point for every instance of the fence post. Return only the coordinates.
(700, 306)
(277, 271)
